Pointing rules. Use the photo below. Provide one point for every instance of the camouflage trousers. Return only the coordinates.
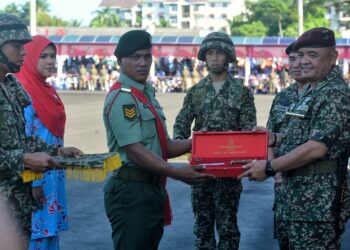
(310, 235)
(345, 211)
(279, 225)
(18, 196)
(216, 203)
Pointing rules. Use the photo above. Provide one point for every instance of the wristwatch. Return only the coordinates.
(269, 171)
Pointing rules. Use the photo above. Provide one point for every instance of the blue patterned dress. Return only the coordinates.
(52, 218)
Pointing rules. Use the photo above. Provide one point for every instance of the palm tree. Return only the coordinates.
(106, 18)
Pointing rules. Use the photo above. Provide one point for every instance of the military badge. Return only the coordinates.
(325, 34)
(129, 111)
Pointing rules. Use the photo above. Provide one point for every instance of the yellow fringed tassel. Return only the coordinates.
(185, 157)
(82, 174)
(29, 175)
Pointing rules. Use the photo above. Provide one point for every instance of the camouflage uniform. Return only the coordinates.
(308, 201)
(279, 107)
(232, 108)
(13, 142)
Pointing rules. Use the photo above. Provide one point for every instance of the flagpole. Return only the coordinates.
(33, 17)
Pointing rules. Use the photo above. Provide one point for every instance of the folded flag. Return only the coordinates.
(88, 167)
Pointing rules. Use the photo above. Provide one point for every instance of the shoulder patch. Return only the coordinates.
(129, 111)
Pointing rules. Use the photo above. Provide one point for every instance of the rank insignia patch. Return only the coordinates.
(129, 111)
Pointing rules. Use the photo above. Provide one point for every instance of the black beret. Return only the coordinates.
(290, 49)
(315, 38)
(132, 41)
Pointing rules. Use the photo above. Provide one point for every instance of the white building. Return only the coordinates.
(338, 17)
(202, 15)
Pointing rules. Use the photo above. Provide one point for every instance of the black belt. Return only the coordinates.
(318, 167)
(139, 175)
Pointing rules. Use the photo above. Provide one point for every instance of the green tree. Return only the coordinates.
(42, 13)
(163, 23)
(239, 27)
(13, 9)
(278, 17)
(106, 18)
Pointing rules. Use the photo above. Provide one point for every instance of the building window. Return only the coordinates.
(150, 5)
(161, 5)
(212, 5)
(173, 7)
(211, 28)
(186, 11)
(185, 24)
(224, 5)
(212, 16)
(224, 16)
(173, 19)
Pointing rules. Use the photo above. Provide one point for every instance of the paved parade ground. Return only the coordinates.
(89, 227)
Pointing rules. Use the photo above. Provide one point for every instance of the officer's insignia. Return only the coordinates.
(129, 111)
(325, 34)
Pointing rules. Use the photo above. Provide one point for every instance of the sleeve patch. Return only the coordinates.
(129, 111)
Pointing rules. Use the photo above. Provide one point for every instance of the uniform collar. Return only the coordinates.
(334, 73)
(127, 82)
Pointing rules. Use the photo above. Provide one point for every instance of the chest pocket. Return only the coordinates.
(298, 130)
(149, 129)
(9, 137)
(279, 116)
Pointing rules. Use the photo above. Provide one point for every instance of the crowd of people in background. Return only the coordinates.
(267, 76)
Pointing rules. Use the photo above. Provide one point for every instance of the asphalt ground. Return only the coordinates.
(89, 226)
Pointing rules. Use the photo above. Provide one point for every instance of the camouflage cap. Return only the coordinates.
(217, 40)
(12, 28)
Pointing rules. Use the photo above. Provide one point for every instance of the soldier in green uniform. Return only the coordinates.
(275, 123)
(314, 148)
(218, 102)
(135, 198)
(18, 152)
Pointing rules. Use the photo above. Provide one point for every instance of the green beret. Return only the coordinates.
(316, 38)
(132, 41)
(290, 48)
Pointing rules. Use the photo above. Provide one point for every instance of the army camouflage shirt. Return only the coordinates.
(232, 108)
(13, 144)
(323, 115)
(280, 105)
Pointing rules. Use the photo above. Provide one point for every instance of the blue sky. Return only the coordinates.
(67, 9)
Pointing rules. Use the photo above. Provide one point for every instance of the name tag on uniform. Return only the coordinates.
(281, 108)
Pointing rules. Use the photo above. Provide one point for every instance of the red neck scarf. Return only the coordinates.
(45, 99)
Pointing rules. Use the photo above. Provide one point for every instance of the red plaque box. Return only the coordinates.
(224, 153)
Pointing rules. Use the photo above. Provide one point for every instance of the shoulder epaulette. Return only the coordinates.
(125, 90)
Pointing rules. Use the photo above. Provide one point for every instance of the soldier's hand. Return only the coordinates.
(255, 171)
(69, 151)
(192, 175)
(38, 195)
(39, 162)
